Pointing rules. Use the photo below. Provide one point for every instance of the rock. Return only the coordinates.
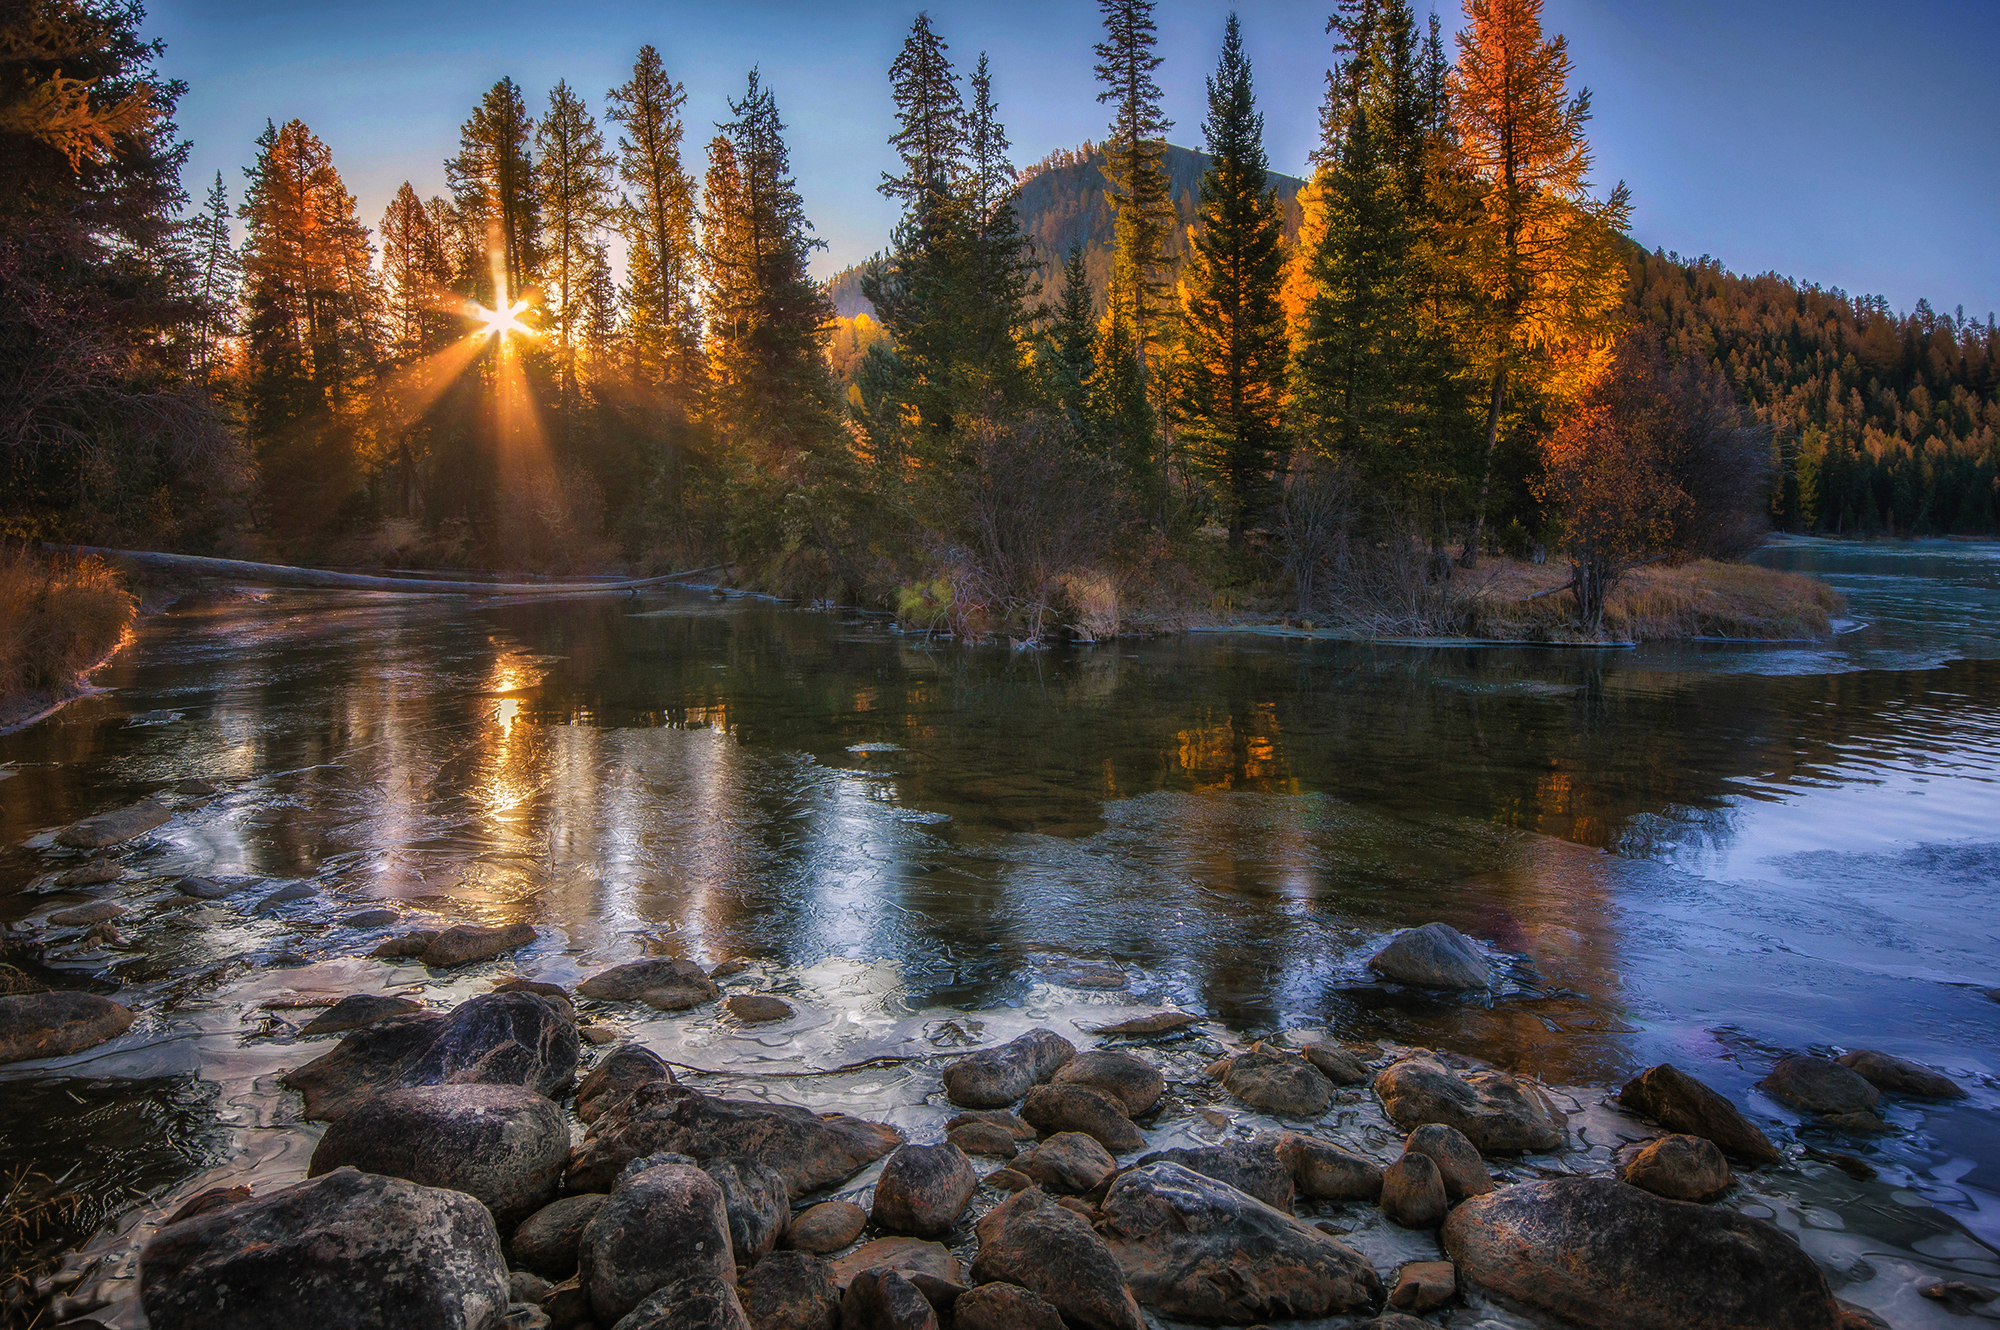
(376, 918)
(758, 1203)
(1004, 1307)
(1680, 1103)
(598, 1035)
(113, 828)
(1009, 1179)
(1860, 1120)
(1885, 1072)
(1458, 1160)
(215, 1198)
(52, 1025)
(356, 1010)
(996, 1077)
(1326, 1172)
(1958, 1296)
(1434, 956)
(1062, 1108)
(524, 1286)
(922, 1190)
(195, 788)
(663, 1220)
(94, 913)
(1100, 975)
(547, 1240)
(1336, 1064)
(96, 873)
(1031, 1241)
(1413, 1192)
(214, 888)
(984, 1139)
(695, 1302)
(463, 944)
(809, 1150)
(1252, 1167)
(1393, 1321)
(1068, 1162)
(405, 945)
(1423, 1286)
(1852, 1317)
(1135, 1083)
(1606, 1256)
(909, 1257)
(1494, 1111)
(1196, 1249)
(1279, 1084)
(827, 1227)
(1153, 1023)
(349, 1251)
(993, 1117)
(791, 1290)
(1680, 1168)
(500, 1143)
(493, 1039)
(884, 1300)
(618, 1073)
(1820, 1085)
(291, 891)
(757, 1008)
(668, 985)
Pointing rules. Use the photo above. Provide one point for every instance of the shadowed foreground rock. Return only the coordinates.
(1100, 1116)
(1004, 1307)
(663, 1221)
(1894, 1075)
(113, 828)
(922, 1189)
(618, 1073)
(828, 1226)
(1606, 1256)
(1413, 1192)
(1282, 1084)
(669, 985)
(50, 1025)
(791, 1290)
(1497, 1113)
(1134, 1082)
(809, 1150)
(1680, 1168)
(697, 1302)
(356, 1010)
(1252, 1167)
(349, 1251)
(758, 1203)
(1680, 1103)
(1434, 956)
(1198, 1249)
(997, 1077)
(1323, 1170)
(1459, 1165)
(1820, 1085)
(882, 1299)
(1053, 1251)
(547, 1241)
(463, 944)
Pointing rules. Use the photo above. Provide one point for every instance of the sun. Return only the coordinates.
(499, 322)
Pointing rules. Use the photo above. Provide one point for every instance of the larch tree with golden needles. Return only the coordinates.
(1230, 397)
(1536, 246)
(657, 216)
(493, 181)
(573, 186)
(416, 275)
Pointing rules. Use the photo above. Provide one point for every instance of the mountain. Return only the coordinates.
(1062, 200)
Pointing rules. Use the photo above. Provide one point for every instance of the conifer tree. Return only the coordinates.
(1135, 163)
(1231, 387)
(1069, 348)
(218, 276)
(1002, 264)
(493, 182)
(573, 186)
(658, 219)
(1124, 426)
(415, 273)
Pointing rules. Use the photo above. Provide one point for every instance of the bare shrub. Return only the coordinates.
(1316, 517)
(57, 619)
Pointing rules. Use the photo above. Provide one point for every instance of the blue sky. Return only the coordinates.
(1848, 144)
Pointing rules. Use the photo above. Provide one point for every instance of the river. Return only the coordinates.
(1709, 853)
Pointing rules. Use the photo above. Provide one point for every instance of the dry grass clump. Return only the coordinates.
(1701, 598)
(57, 619)
(36, 1217)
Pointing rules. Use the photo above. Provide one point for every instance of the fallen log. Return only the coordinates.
(274, 574)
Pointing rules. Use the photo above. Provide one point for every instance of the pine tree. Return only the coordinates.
(1134, 162)
(415, 273)
(1538, 248)
(1003, 265)
(1069, 349)
(493, 182)
(218, 278)
(573, 186)
(1231, 387)
(658, 219)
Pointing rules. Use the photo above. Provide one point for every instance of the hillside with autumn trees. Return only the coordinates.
(1127, 385)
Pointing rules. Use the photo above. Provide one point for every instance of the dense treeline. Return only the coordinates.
(1129, 378)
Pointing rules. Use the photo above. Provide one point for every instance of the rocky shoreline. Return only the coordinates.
(511, 1161)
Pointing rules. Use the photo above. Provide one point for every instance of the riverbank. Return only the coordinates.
(59, 620)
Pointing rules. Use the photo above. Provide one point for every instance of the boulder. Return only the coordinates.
(923, 1189)
(214, 888)
(618, 1073)
(1423, 1286)
(1134, 1082)
(1004, 1307)
(809, 1150)
(1434, 956)
(215, 1198)
(401, 947)
(349, 1251)
(463, 944)
(503, 1144)
(668, 985)
(1680, 1168)
(1458, 1160)
(1894, 1075)
(1339, 1065)
(1606, 1256)
(285, 895)
(547, 1240)
(52, 1025)
(379, 917)
(82, 916)
(1062, 1108)
(827, 1227)
(525, 1286)
(1680, 1103)
(758, 1008)
(663, 1221)
(1009, 1179)
(1497, 1113)
(984, 1139)
(912, 1258)
(996, 1077)
(356, 1010)
(881, 1299)
(1068, 1163)
(1413, 1192)
(1820, 1085)
(1281, 1084)
(1324, 1171)
(1196, 1249)
(113, 828)
(993, 1117)
(95, 873)
(1151, 1024)
(1031, 1241)
(758, 1203)
(791, 1290)
(1252, 1167)
(693, 1302)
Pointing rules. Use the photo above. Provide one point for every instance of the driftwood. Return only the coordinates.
(272, 574)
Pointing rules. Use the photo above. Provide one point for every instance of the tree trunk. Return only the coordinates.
(1469, 557)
